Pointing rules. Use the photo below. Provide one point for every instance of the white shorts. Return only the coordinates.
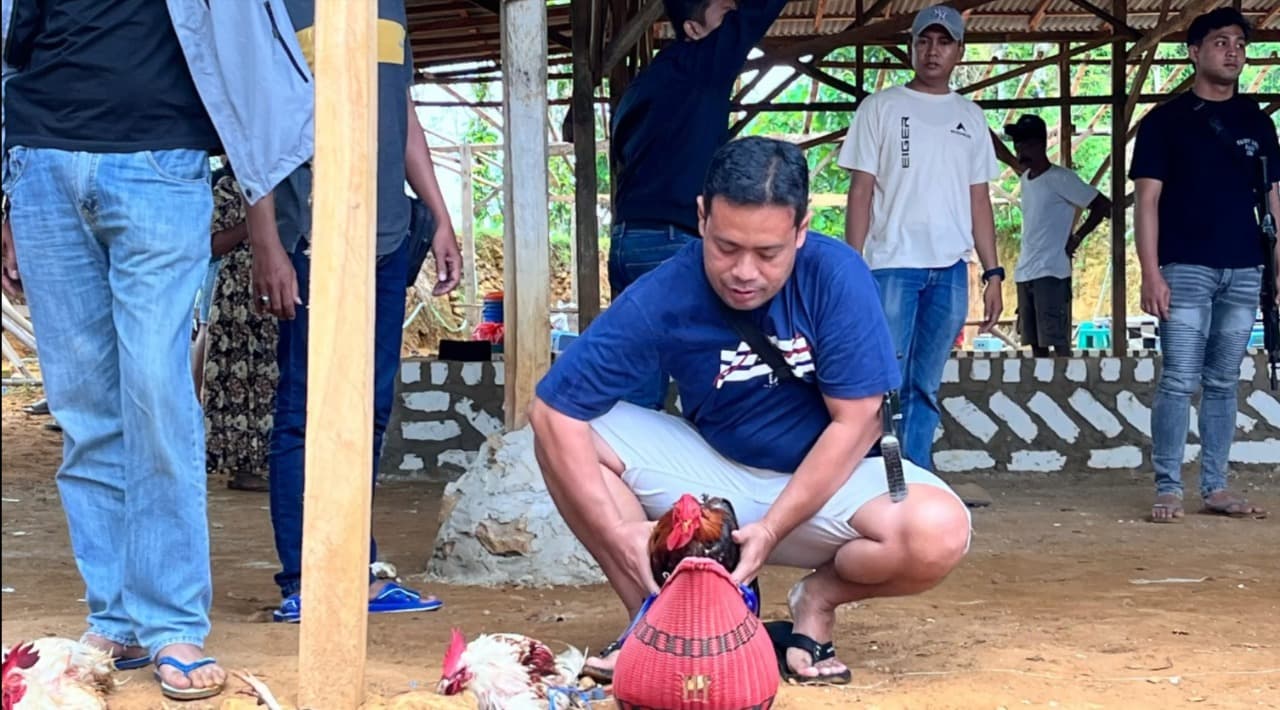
(664, 457)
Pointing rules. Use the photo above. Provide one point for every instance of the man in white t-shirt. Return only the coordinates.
(1050, 197)
(921, 157)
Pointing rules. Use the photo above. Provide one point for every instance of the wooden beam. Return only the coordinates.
(335, 519)
(1118, 25)
(495, 6)
(754, 109)
(585, 179)
(834, 82)
(1039, 63)
(470, 283)
(1037, 15)
(1066, 154)
(1177, 23)
(526, 242)
(625, 40)
(1119, 143)
(1270, 17)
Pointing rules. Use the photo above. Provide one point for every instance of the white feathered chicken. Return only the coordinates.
(53, 673)
(507, 671)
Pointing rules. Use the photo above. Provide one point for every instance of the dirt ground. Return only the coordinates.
(1054, 607)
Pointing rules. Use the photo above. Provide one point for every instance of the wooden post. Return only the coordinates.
(470, 286)
(1119, 164)
(1065, 142)
(526, 248)
(586, 258)
(335, 552)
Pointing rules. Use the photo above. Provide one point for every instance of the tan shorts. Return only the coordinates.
(665, 457)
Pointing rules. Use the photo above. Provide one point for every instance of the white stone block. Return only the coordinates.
(1191, 453)
(1256, 452)
(1012, 370)
(1245, 422)
(1134, 412)
(481, 420)
(980, 370)
(430, 431)
(1013, 415)
(455, 457)
(1144, 370)
(1044, 369)
(1266, 406)
(951, 371)
(471, 373)
(500, 373)
(433, 401)
(411, 372)
(411, 462)
(1052, 415)
(1110, 369)
(1037, 461)
(955, 460)
(1093, 412)
(1129, 457)
(439, 372)
(1194, 425)
(938, 433)
(971, 418)
(1077, 370)
(1247, 369)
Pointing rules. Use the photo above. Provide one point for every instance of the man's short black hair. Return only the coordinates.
(1216, 20)
(759, 172)
(681, 11)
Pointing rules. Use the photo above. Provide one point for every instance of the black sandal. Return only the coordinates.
(784, 638)
(604, 676)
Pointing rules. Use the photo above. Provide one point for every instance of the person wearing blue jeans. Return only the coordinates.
(402, 155)
(1202, 267)
(920, 157)
(110, 113)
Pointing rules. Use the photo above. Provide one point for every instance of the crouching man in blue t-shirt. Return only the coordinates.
(790, 455)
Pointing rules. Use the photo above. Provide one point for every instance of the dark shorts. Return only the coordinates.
(1044, 312)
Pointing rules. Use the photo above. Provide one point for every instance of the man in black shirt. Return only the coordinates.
(1196, 165)
(670, 121)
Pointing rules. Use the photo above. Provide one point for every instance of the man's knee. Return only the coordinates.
(934, 534)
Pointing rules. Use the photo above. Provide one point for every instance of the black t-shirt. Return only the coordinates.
(675, 115)
(1207, 214)
(103, 76)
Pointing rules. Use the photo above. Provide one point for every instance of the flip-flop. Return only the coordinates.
(395, 599)
(1233, 508)
(131, 664)
(780, 632)
(1176, 513)
(186, 693)
(603, 676)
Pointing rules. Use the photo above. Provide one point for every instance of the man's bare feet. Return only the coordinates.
(816, 619)
(1231, 505)
(1167, 508)
(600, 668)
(118, 651)
(207, 677)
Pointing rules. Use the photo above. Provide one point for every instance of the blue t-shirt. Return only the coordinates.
(827, 320)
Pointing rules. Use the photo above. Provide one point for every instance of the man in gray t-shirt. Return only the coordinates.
(1050, 197)
(402, 155)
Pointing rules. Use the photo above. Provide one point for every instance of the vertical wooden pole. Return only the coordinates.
(586, 182)
(526, 247)
(1119, 165)
(1066, 141)
(470, 286)
(335, 552)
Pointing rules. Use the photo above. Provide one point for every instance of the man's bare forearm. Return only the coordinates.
(1146, 225)
(571, 468)
(826, 468)
(420, 170)
(261, 220)
(984, 226)
(857, 218)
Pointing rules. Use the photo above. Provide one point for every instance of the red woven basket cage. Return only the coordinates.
(697, 648)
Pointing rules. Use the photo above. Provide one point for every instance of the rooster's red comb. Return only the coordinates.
(453, 656)
(686, 518)
(22, 655)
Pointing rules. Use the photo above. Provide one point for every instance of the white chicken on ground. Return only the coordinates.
(53, 673)
(507, 671)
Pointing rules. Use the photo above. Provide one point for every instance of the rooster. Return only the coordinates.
(507, 671)
(56, 673)
(698, 529)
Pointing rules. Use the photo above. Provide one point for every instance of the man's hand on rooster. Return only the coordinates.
(757, 541)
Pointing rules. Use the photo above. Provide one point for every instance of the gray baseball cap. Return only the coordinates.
(944, 16)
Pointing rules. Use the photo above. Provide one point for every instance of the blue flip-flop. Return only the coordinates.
(395, 599)
(131, 664)
(186, 693)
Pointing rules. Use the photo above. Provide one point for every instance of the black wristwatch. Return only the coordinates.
(992, 273)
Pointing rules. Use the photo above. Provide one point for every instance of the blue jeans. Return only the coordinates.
(1211, 313)
(288, 434)
(634, 252)
(926, 308)
(112, 248)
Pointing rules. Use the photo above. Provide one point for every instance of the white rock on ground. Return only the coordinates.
(499, 525)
